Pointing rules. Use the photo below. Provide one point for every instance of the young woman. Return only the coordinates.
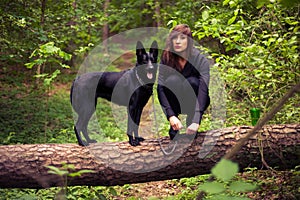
(183, 81)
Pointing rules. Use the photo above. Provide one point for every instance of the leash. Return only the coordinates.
(156, 126)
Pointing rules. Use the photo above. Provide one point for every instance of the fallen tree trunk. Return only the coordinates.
(24, 166)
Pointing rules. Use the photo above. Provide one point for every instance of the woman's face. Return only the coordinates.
(180, 43)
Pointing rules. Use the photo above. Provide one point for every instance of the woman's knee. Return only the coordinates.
(194, 83)
(174, 84)
(173, 80)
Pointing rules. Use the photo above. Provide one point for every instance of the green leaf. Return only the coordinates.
(29, 65)
(57, 171)
(269, 75)
(173, 22)
(38, 61)
(261, 3)
(55, 73)
(233, 4)
(227, 197)
(49, 48)
(47, 82)
(80, 172)
(205, 15)
(64, 55)
(33, 53)
(231, 20)
(225, 170)
(41, 75)
(65, 66)
(226, 2)
(85, 171)
(212, 187)
(67, 166)
(113, 191)
(240, 186)
(236, 12)
(290, 3)
(101, 196)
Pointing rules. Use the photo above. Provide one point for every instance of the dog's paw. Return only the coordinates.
(83, 143)
(140, 139)
(134, 142)
(92, 141)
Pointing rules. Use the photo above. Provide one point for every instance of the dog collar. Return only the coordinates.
(140, 80)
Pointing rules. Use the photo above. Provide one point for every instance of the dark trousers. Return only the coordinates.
(183, 95)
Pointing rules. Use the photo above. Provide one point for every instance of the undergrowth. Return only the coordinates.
(33, 114)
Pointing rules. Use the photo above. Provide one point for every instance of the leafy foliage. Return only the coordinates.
(225, 170)
(46, 54)
(258, 52)
(225, 187)
(67, 170)
(254, 46)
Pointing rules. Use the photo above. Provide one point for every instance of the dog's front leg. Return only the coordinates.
(131, 139)
(131, 126)
(137, 120)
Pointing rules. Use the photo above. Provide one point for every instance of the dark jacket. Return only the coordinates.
(197, 66)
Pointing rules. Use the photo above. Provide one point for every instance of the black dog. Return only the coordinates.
(131, 88)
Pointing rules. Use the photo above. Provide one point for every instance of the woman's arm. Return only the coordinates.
(163, 100)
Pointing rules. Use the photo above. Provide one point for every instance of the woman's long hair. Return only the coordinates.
(169, 56)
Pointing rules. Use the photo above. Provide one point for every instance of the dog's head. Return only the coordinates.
(146, 62)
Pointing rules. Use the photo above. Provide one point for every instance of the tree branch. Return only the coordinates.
(263, 121)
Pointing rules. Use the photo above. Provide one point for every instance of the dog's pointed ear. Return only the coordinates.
(140, 48)
(154, 49)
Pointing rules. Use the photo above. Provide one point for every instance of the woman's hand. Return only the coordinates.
(175, 123)
(193, 128)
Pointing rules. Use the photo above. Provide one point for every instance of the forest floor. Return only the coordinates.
(271, 184)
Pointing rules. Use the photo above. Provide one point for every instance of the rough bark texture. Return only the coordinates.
(105, 29)
(23, 166)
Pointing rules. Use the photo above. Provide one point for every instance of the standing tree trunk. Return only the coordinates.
(157, 14)
(40, 67)
(43, 8)
(24, 166)
(105, 32)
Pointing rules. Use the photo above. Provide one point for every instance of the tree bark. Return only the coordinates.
(157, 14)
(24, 166)
(105, 29)
(262, 121)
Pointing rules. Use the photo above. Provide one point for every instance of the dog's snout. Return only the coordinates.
(150, 67)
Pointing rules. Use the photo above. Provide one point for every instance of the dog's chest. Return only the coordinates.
(128, 89)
